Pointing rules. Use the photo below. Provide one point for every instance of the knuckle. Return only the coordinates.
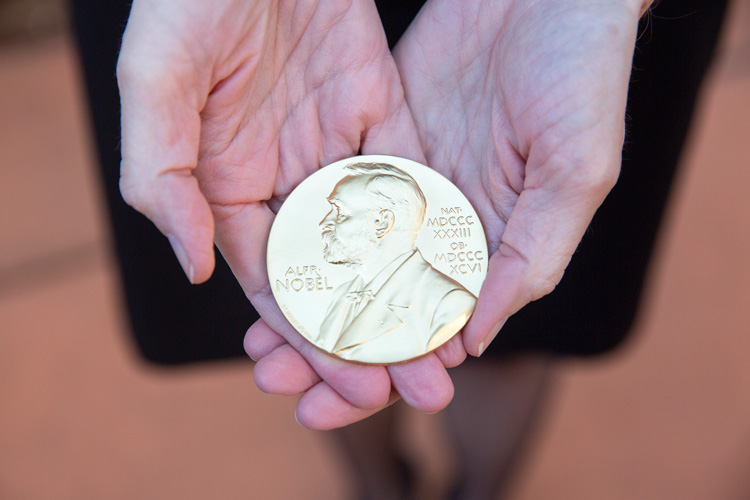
(597, 180)
(133, 193)
(545, 283)
(545, 286)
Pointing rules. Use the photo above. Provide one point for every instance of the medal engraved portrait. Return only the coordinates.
(397, 304)
(372, 293)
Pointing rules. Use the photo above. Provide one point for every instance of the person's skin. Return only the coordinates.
(226, 107)
(520, 103)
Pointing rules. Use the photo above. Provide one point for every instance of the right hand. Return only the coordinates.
(229, 105)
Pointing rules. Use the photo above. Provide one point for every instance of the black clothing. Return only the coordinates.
(591, 310)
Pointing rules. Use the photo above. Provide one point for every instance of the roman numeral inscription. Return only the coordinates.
(454, 226)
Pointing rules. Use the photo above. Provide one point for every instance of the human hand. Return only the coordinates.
(522, 105)
(226, 107)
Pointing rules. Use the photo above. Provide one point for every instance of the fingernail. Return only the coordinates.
(179, 252)
(497, 327)
(493, 332)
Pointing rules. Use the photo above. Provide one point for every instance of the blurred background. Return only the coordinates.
(81, 417)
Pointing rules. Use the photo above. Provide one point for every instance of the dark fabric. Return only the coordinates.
(396, 16)
(590, 312)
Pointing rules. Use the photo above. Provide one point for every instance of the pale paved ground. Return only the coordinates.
(80, 418)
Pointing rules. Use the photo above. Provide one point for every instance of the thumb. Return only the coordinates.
(161, 100)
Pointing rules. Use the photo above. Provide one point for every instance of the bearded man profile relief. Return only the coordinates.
(398, 306)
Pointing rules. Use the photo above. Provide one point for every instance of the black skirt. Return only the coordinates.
(590, 312)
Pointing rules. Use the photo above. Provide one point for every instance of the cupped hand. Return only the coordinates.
(521, 103)
(226, 107)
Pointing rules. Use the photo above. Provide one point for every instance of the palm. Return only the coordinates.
(521, 104)
(272, 117)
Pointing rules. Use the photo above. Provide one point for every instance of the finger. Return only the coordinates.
(161, 99)
(322, 408)
(501, 295)
(241, 234)
(423, 383)
(452, 353)
(284, 371)
(260, 340)
(363, 386)
(541, 235)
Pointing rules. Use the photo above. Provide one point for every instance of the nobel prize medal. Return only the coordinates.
(377, 259)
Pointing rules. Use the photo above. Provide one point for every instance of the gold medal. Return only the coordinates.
(377, 259)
